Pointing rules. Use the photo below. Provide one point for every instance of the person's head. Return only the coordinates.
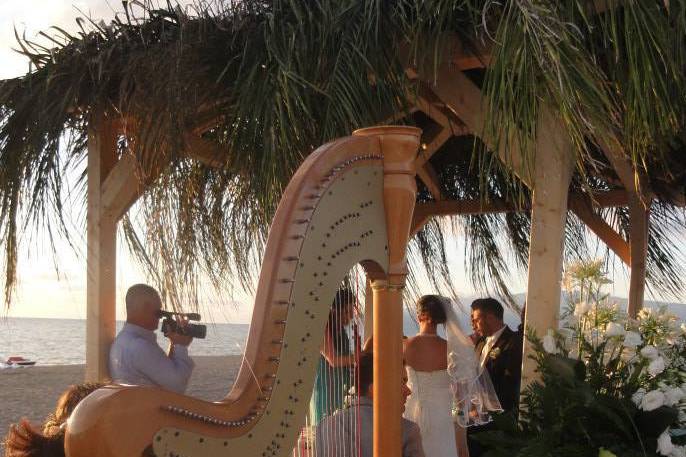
(66, 404)
(24, 440)
(365, 366)
(430, 310)
(143, 305)
(342, 308)
(487, 315)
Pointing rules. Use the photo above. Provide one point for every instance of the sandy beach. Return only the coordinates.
(32, 392)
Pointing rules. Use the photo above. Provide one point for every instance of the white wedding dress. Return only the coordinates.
(429, 406)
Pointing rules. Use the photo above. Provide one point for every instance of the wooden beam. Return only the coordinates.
(122, 187)
(602, 229)
(605, 199)
(433, 107)
(464, 98)
(398, 115)
(431, 180)
(127, 180)
(205, 151)
(101, 251)
(423, 212)
(638, 232)
(640, 196)
(428, 150)
(634, 181)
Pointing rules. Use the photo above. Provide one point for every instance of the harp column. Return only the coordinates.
(399, 146)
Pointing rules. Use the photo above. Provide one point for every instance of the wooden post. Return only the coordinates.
(399, 147)
(552, 175)
(102, 248)
(639, 218)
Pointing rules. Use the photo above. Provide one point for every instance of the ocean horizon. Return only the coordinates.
(53, 341)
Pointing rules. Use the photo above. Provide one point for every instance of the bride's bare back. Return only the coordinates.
(426, 353)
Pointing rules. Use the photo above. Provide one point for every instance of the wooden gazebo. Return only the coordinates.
(450, 107)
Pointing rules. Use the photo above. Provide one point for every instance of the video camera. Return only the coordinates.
(169, 324)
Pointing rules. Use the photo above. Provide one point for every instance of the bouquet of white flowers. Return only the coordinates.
(642, 359)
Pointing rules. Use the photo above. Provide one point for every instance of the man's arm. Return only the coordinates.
(169, 372)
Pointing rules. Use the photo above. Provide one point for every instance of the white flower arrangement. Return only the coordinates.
(645, 357)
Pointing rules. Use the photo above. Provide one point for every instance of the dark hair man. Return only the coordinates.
(136, 358)
(500, 352)
(337, 434)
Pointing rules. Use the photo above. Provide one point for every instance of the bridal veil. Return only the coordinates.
(474, 397)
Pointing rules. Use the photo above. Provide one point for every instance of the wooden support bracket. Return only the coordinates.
(431, 180)
(602, 229)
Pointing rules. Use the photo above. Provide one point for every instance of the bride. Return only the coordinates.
(449, 390)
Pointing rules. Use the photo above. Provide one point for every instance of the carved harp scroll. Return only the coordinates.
(331, 217)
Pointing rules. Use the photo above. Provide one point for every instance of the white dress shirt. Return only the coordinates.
(136, 358)
(488, 345)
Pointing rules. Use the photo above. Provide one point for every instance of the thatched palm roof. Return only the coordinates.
(265, 82)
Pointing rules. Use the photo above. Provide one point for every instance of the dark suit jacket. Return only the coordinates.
(504, 365)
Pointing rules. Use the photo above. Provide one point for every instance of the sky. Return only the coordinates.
(42, 292)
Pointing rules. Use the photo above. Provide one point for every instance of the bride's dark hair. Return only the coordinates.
(432, 306)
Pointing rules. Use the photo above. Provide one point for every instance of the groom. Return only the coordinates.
(500, 352)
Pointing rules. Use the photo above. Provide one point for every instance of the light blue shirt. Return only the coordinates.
(136, 358)
(337, 435)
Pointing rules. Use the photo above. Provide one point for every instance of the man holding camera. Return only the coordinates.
(135, 356)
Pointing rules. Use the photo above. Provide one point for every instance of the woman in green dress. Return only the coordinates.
(335, 369)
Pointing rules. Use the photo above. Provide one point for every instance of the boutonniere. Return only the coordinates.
(495, 352)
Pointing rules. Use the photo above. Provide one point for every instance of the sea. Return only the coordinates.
(63, 341)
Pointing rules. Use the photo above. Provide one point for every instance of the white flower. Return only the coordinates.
(673, 395)
(652, 400)
(632, 339)
(650, 352)
(549, 343)
(614, 329)
(581, 308)
(656, 367)
(637, 397)
(664, 444)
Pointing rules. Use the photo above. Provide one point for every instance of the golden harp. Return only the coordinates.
(350, 203)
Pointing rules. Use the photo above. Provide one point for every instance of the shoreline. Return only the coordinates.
(32, 392)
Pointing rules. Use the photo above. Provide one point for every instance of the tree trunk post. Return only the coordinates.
(101, 253)
(639, 218)
(552, 174)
